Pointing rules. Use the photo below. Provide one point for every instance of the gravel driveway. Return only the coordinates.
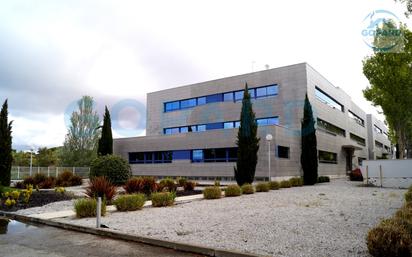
(330, 219)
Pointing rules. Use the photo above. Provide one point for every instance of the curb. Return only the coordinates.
(184, 247)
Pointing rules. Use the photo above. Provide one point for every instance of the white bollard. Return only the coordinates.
(98, 211)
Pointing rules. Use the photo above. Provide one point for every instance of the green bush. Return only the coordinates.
(189, 186)
(262, 187)
(130, 202)
(296, 182)
(274, 185)
(389, 238)
(408, 196)
(167, 184)
(247, 189)
(181, 181)
(285, 184)
(212, 192)
(114, 167)
(86, 207)
(38, 179)
(233, 190)
(323, 179)
(163, 199)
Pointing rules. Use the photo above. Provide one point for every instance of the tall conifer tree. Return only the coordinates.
(106, 141)
(309, 155)
(6, 157)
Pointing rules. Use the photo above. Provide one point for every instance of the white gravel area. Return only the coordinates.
(51, 207)
(330, 219)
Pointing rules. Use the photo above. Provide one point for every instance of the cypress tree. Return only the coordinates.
(6, 157)
(309, 155)
(105, 146)
(247, 142)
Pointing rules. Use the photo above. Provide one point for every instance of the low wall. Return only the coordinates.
(388, 173)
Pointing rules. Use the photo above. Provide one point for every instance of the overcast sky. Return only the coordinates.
(53, 52)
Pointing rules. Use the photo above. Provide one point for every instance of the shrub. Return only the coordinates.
(133, 185)
(114, 167)
(274, 185)
(76, 180)
(28, 181)
(262, 187)
(63, 179)
(285, 184)
(38, 179)
(189, 186)
(296, 182)
(182, 181)
(20, 185)
(356, 175)
(323, 179)
(247, 189)
(163, 199)
(389, 238)
(148, 185)
(130, 202)
(87, 207)
(408, 196)
(167, 184)
(50, 182)
(60, 190)
(101, 187)
(212, 192)
(217, 183)
(233, 190)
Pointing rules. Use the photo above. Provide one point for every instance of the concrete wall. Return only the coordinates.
(376, 152)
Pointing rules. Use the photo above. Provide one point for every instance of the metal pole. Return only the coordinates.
(380, 175)
(366, 182)
(48, 171)
(31, 162)
(269, 157)
(18, 172)
(38, 169)
(98, 211)
(57, 172)
(74, 170)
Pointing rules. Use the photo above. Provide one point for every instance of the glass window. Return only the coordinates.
(174, 130)
(201, 128)
(197, 155)
(232, 154)
(272, 90)
(167, 156)
(357, 139)
(201, 100)
(171, 106)
(214, 98)
(148, 157)
(330, 128)
(273, 121)
(193, 128)
(217, 125)
(228, 97)
(283, 151)
(188, 103)
(377, 129)
(378, 144)
(237, 124)
(168, 131)
(181, 155)
(325, 98)
(158, 157)
(328, 157)
(356, 118)
(262, 122)
(252, 93)
(184, 129)
(136, 157)
(261, 92)
(239, 95)
(228, 125)
(220, 155)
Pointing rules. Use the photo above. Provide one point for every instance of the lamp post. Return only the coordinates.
(268, 139)
(31, 161)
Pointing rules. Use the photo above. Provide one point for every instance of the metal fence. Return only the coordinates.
(19, 172)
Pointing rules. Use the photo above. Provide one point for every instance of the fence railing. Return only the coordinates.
(20, 172)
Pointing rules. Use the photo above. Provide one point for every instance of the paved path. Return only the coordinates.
(30, 241)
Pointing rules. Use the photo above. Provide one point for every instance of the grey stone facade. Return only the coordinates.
(293, 82)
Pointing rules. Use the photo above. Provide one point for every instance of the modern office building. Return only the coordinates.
(191, 130)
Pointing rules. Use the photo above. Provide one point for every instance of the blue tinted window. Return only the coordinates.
(168, 131)
(272, 90)
(201, 128)
(228, 125)
(262, 122)
(237, 124)
(252, 93)
(273, 121)
(174, 131)
(184, 129)
(188, 103)
(239, 95)
(181, 155)
(214, 98)
(201, 100)
(211, 126)
(323, 97)
(197, 155)
(227, 97)
(261, 92)
(172, 106)
(193, 128)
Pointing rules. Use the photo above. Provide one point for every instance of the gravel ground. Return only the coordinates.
(51, 207)
(330, 219)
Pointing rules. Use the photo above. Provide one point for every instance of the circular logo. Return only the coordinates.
(128, 117)
(382, 25)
